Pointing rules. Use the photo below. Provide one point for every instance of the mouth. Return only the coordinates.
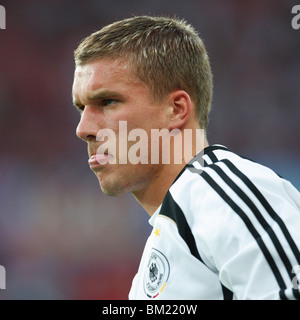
(97, 160)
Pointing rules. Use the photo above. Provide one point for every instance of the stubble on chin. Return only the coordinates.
(120, 183)
(115, 185)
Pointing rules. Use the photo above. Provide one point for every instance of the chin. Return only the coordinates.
(113, 193)
(113, 190)
(120, 183)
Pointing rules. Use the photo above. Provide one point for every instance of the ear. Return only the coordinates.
(180, 110)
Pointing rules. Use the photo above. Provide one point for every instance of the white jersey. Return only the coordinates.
(228, 228)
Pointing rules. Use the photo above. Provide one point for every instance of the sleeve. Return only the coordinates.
(247, 229)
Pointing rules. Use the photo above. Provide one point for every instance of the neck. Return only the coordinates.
(152, 196)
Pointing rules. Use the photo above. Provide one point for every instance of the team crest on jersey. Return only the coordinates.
(156, 274)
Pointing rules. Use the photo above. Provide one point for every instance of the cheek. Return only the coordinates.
(137, 117)
(149, 119)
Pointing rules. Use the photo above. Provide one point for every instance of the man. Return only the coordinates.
(224, 227)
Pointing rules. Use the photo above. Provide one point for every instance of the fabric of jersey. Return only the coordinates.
(228, 228)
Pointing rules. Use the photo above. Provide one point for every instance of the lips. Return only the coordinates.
(97, 160)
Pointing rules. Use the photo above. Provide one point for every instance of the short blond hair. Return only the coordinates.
(164, 53)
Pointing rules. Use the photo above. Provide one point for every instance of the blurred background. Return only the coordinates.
(60, 237)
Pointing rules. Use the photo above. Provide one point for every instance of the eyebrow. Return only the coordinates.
(103, 94)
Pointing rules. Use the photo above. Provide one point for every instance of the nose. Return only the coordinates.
(87, 127)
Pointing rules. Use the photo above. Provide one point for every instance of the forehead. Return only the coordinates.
(102, 72)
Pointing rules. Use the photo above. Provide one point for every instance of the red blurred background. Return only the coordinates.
(60, 237)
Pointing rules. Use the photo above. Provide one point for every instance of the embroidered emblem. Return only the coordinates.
(156, 274)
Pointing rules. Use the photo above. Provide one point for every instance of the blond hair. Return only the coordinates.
(164, 53)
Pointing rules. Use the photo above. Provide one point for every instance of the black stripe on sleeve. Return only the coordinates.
(263, 201)
(268, 228)
(227, 294)
(296, 293)
(172, 210)
(243, 196)
(258, 215)
(267, 207)
(249, 226)
(209, 149)
(212, 157)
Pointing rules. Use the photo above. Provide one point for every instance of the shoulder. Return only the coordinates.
(218, 173)
(233, 212)
(220, 190)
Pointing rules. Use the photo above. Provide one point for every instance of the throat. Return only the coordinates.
(151, 196)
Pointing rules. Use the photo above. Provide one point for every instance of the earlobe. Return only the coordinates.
(181, 109)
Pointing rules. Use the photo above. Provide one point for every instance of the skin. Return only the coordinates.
(105, 91)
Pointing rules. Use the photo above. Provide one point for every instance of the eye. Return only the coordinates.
(108, 102)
